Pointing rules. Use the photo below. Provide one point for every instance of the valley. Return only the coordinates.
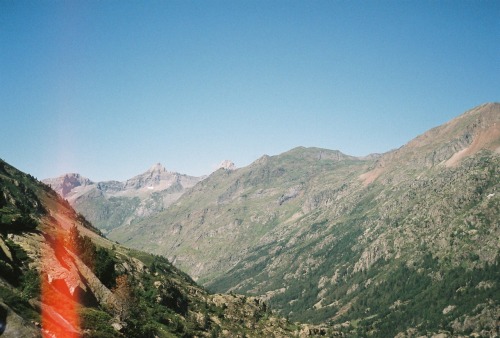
(249, 169)
(396, 244)
(59, 277)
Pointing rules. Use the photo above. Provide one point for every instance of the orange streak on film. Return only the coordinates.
(59, 287)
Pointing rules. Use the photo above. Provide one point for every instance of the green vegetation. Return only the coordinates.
(18, 303)
(120, 292)
(96, 323)
(392, 260)
(19, 206)
(99, 259)
(411, 298)
(405, 243)
(24, 281)
(104, 267)
(108, 213)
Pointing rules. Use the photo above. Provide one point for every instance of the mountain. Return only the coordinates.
(398, 244)
(59, 277)
(233, 209)
(227, 164)
(112, 204)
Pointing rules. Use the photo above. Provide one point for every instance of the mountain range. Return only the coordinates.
(111, 204)
(404, 243)
(59, 277)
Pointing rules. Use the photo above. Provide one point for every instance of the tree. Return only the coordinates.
(124, 297)
(104, 267)
(83, 247)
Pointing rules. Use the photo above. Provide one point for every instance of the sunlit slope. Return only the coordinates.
(403, 241)
(222, 218)
(60, 278)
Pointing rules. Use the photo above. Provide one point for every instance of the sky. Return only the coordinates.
(108, 88)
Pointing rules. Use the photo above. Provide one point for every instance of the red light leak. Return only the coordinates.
(60, 304)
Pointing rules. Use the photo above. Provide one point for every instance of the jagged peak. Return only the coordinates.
(64, 184)
(157, 167)
(69, 177)
(75, 176)
(227, 165)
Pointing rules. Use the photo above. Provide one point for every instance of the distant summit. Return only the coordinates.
(158, 167)
(227, 165)
(66, 183)
(111, 204)
(156, 177)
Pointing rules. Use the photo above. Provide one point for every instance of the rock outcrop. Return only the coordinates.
(226, 165)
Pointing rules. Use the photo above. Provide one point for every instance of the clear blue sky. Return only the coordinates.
(107, 88)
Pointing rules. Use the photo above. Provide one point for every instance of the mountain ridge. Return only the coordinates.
(59, 277)
(320, 234)
(110, 204)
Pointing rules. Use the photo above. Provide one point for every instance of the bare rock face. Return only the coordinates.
(102, 294)
(250, 311)
(61, 269)
(227, 165)
(67, 183)
(475, 130)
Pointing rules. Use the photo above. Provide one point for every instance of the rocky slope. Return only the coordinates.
(402, 243)
(234, 209)
(60, 278)
(113, 204)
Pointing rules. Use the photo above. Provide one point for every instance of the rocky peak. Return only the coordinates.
(65, 183)
(227, 165)
(157, 168)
